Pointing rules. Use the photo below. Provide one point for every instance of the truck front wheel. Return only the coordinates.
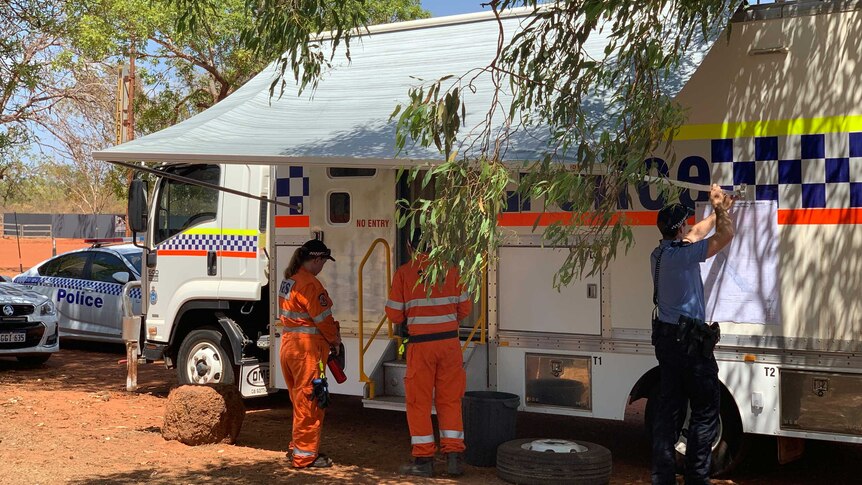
(204, 359)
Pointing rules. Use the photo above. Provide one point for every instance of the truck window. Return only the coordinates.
(182, 205)
(342, 172)
(339, 208)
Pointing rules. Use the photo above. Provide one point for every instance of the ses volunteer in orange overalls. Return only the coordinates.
(434, 363)
(309, 334)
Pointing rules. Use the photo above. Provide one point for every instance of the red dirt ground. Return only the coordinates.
(71, 421)
(32, 252)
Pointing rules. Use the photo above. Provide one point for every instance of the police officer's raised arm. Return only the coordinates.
(721, 204)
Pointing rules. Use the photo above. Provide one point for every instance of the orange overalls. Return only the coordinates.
(435, 368)
(306, 313)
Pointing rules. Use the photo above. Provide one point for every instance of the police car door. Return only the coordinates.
(104, 315)
(62, 279)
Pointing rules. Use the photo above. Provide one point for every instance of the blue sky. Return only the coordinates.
(439, 8)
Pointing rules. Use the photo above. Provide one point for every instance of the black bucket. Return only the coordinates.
(489, 421)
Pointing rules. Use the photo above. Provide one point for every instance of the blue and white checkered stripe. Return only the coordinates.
(295, 187)
(114, 289)
(798, 171)
(211, 242)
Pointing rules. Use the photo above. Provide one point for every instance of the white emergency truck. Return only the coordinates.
(775, 106)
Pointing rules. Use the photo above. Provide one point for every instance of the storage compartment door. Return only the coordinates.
(527, 300)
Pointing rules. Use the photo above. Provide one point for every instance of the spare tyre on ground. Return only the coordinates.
(541, 461)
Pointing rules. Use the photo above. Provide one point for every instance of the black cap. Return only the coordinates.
(671, 217)
(316, 249)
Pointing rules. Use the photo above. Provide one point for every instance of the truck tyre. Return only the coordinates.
(538, 462)
(204, 359)
(729, 448)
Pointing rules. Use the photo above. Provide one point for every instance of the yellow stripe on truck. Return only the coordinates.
(748, 129)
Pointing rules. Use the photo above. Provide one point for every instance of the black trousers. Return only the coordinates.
(691, 380)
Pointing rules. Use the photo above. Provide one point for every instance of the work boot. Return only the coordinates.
(421, 466)
(455, 464)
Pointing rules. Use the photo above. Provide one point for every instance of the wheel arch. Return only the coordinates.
(197, 314)
(644, 385)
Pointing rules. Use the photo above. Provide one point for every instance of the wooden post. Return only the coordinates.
(131, 366)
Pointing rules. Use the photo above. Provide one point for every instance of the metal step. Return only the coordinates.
(393, 377)
(391, 403)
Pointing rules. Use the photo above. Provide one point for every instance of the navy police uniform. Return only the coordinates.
(686, 378)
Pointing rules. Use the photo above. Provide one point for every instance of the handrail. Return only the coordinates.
(363, 348)
(480, 324)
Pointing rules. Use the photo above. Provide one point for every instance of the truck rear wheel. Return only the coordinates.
(204, 359)
(728, 449)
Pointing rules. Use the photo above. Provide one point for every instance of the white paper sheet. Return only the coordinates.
(740, 283)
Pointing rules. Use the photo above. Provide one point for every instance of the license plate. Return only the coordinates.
(255, 380)
(12, 337)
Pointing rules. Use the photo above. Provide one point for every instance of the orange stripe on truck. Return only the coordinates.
(292, 221)
(237, 254)
(648, 218)
(182, 252)
(528, 219)
(820, 216)
(200, 252)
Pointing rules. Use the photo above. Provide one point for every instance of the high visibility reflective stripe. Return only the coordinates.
(448, 433)
(395, 305)
(425, 302)
(450, 317)
(309, 330)
(298, 452)
(295, 315)
(322, 316)
(422, 440)
(464, 297)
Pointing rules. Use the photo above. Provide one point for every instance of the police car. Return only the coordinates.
(28, 324)
(86, 286)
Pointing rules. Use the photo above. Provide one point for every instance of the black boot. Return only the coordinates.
(421, 466)
(454, 464)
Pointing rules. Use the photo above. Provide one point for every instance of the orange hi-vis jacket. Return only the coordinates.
(306, 312)
(306, 307)
(410, 303)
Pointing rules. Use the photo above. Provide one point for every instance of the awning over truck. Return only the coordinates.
(346, 122)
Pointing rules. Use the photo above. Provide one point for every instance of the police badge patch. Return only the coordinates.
(323, 300)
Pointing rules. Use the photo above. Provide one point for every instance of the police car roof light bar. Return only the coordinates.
(99, 241)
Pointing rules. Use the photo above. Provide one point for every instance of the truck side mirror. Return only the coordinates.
(138, 206)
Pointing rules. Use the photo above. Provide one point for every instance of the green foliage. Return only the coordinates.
(292, 33)
(591, 159)
(469, 196)
(593, 155)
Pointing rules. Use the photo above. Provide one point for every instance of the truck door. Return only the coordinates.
(186, 237)
(349, 208)
(355, 207)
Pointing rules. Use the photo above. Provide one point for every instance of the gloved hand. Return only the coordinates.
(320, 392)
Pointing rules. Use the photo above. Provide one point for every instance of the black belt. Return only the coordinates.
(664, 329)
(431, 337)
